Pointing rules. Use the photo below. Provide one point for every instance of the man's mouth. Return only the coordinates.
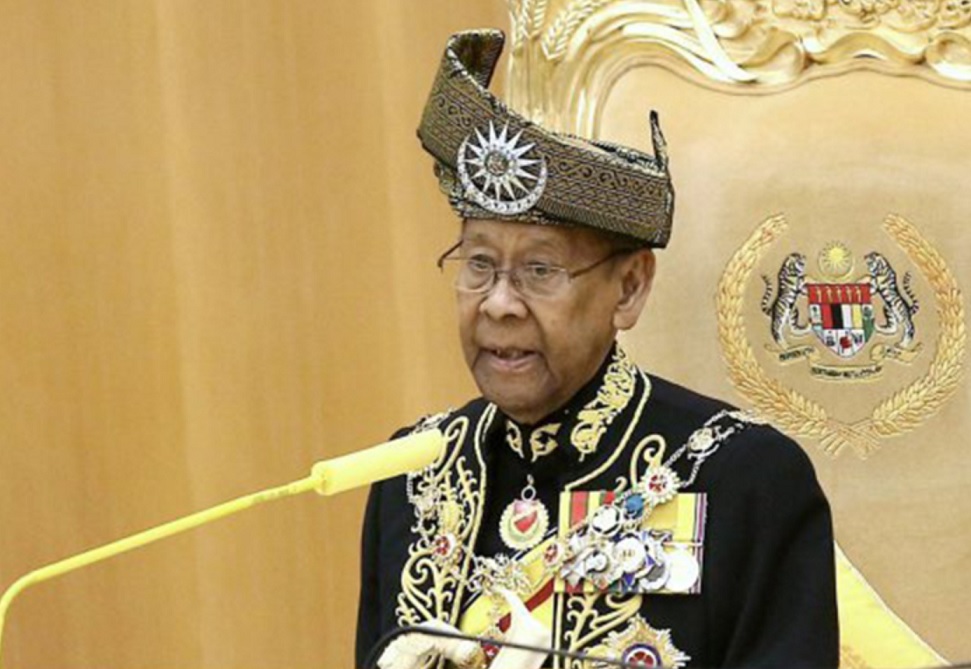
(509, 353)
(510, 359)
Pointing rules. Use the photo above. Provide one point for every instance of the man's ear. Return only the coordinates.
(636, 277)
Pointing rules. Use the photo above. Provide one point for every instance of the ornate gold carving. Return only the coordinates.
(564, 26)
(528, 19)
(798, 415)
(909, 407)
(567, 54)
(612, 397)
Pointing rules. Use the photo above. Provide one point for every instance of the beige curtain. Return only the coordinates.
(216, 266)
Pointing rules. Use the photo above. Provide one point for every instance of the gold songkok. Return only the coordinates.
(494, 163)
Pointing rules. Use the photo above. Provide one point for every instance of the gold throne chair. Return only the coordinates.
(821, 155)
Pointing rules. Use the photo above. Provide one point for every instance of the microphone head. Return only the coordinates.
(399, 456)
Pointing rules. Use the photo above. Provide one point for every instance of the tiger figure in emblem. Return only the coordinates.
(783, 310)
(897, 311)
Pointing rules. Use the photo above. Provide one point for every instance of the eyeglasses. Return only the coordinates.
(478, 274)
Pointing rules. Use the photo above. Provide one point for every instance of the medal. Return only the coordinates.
(606, 521)
(660, 485)
(525, 520)
(685, 570)
(630, 553)
(640, 645)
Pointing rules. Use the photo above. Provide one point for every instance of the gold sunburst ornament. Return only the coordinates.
(497, 173)
(639, 645)
(835, 260)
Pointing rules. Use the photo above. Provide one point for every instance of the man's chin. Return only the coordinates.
(518, 395)
(520, 407)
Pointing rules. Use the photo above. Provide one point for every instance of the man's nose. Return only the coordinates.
(503, 300)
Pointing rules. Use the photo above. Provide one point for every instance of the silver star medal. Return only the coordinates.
(496, 173)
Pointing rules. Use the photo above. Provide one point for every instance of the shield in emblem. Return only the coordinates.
(525, 514)
(841, 315)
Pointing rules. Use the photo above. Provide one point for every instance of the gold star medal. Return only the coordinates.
(525, 521)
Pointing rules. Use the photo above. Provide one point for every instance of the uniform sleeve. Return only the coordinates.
(369, 609)
(774, 559)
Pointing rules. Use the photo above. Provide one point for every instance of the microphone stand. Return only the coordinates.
(372, 659)
(327, 477)
(313, 482)
(595, 661)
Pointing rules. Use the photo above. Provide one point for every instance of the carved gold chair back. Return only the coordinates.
(820, 152)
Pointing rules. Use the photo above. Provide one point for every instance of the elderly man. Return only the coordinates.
(615, 512)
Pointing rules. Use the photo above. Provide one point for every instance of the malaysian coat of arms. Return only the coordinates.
(846, 320)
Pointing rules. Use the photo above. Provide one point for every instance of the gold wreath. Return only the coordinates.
(798, 415)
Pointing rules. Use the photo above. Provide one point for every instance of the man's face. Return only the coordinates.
(530, 356)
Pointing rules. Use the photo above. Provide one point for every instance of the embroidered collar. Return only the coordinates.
(584, 419)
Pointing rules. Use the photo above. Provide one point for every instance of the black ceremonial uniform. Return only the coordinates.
(765, 588)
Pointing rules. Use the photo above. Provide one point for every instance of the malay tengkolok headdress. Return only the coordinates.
(494, 163)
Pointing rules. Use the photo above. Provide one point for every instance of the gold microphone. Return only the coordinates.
(327, 477)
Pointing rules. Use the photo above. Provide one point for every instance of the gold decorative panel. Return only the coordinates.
(831, 135)
(566, 53)
(901, 409)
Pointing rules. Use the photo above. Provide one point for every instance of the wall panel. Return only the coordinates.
(216, 266)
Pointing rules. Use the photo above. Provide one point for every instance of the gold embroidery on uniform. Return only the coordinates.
(590, 624)
(448, 500)
(580, 608)
(431, 420)
(613, 396)
(514, 438)
(425, 585)
(469, 553)
(651, 448)
(542, 441)
(606, 464)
